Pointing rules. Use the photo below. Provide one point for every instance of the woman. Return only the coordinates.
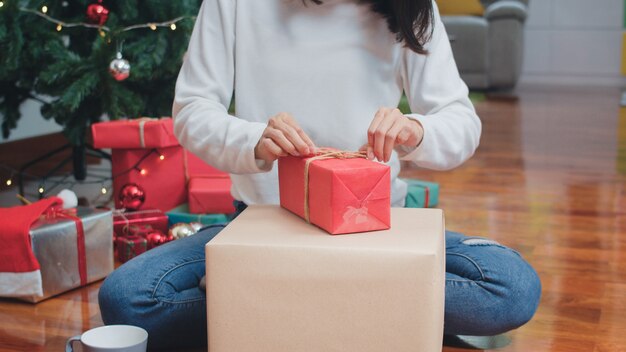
(327, 74)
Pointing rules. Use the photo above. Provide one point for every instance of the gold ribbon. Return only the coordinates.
(322, 154)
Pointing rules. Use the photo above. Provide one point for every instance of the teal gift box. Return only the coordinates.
(421, 194)
(181, 214)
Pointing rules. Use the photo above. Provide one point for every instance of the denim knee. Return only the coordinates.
(515, 298)
(490, 289)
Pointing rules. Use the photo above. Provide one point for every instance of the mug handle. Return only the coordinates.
(69, 344)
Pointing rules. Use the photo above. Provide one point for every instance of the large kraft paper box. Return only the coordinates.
(276, 283)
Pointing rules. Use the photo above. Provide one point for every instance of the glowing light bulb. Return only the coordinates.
(9, 182)
(102, 34)
(44, 9)
(153, 26)
(173, 26)
(41, 190)
(1, 3)
(59, 28)
(103, 190)
(143, 172)
(162, 157)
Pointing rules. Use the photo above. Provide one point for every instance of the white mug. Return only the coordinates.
(111, 338)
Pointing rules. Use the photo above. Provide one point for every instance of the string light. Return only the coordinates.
(152, 25)
(42, 189)
(59, 27)
(1, 3)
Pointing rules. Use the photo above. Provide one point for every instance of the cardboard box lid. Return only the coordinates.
(412, 230)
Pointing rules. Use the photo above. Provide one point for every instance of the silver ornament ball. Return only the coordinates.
(119, 68)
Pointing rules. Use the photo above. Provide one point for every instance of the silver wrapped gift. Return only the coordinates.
(54, 244)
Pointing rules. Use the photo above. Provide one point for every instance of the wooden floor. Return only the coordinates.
(548, 180)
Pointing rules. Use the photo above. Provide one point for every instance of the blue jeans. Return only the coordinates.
(490, 289)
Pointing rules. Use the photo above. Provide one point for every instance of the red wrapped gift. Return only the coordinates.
(132, 134)
(131, 223)
(128, 247)
(210, 196)
(341, 192)
(198, 168)
(162, 181)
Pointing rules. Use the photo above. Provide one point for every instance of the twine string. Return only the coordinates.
(322, 154)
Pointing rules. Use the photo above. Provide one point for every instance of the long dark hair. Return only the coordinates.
(410, 20)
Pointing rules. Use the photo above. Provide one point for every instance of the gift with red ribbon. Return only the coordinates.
(341, 192)
(129, 223)
(64, 249)
(128, 247)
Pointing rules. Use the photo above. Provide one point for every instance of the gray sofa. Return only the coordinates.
(489, 50)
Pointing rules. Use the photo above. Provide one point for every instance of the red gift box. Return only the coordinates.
(210, 196)
(198, 168)
(128, 247)
(162, 181)
(345, 194)
(129, 223)
(133, 134)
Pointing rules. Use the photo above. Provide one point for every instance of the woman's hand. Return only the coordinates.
(283, 136)
(389, 129)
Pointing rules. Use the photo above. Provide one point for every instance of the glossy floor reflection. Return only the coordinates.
(549, 180)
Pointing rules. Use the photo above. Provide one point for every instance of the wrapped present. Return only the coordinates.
(196, 167)
(157, 183)
(181, 214)
(421, 194)
(210, 195)
(137, 221)
(128, 247)
(69, 249)
(134, 134)
(337, 191)
(376, 291)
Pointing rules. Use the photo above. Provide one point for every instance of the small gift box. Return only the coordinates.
(284, 284)
(134, 134)
(128, 247)
(181, 214)
(421, 194)
(149, 219)
(337, 191)
(210, 195)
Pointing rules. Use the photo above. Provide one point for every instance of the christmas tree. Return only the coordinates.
(83, 59)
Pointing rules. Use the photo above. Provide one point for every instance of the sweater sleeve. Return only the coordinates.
(439, 100)
(203, 93)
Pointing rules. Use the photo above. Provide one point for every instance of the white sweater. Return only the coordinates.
(331, 66)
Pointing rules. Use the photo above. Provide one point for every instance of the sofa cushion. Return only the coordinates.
(460, 7)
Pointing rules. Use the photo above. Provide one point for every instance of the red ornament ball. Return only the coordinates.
(131, 197)
(156, 238)
(97, 14)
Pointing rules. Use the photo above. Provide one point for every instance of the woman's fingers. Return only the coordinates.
(281, 140)
(294, 137)
(389, 129)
